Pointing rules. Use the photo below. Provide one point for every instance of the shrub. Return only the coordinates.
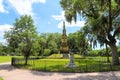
(93, 53)
(47, 52)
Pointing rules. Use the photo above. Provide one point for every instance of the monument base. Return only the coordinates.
(71, 64)
(65, 55)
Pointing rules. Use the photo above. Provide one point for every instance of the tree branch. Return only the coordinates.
(116, 32)
(115, 14)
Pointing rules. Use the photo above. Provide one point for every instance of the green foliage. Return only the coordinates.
(103, 52)
(4, 50)
(49, 41)
(22, 36)
(93, 53)
(47, 52)
(78, 42)
(119, 51)
(102, 20)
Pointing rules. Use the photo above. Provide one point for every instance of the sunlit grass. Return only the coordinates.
(59, 56)
(5, 59)
(55, 62)
(1, 78)
(59, 65)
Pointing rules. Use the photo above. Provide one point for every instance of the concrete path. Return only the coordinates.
(10, 73)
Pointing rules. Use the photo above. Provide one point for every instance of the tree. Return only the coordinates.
(78, 42)
(53, 42)
(22, 36)
(57, 37)
(82, 43)
(73, 42)
(100, 16)
(42, 44)
(4, 49)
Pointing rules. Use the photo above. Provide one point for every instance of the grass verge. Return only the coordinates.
(1, 78)
(90, 64)
(5, 59)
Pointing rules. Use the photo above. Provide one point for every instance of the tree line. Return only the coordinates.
(23, 39)
(102, 26)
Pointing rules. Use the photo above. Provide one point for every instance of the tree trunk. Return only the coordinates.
(115, 57)
(26, 57)
(108, 60)
(26, 60)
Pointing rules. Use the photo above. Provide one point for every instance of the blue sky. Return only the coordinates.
(48, 15)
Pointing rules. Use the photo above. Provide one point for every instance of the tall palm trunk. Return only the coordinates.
(115, 57)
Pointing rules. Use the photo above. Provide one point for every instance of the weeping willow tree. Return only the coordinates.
(102, 20)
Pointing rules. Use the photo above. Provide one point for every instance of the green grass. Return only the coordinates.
(55, 63)
(59, 56)
(90, 64)
(1, 78)
(55, 56)
(5, 59)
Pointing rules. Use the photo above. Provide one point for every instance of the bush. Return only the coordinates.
(93, 53)
(46, 52)
(102, 52)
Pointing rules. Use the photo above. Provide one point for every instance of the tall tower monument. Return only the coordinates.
(64, 49)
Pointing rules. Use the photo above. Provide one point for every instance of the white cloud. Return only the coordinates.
(3, 28)
(2, 9)
(24, 6)
(61, 18)
(72, 24)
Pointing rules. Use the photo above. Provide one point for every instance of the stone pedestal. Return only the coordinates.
(65, 56)
(71, 64)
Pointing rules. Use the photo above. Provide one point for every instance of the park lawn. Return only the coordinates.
(59, 56)
(5, 59)
(1, 78)
(55, 63)
(90, 64)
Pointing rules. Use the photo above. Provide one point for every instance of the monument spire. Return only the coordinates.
(64, 30)
(64, 49)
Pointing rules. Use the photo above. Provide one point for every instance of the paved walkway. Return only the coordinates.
(10, 73)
